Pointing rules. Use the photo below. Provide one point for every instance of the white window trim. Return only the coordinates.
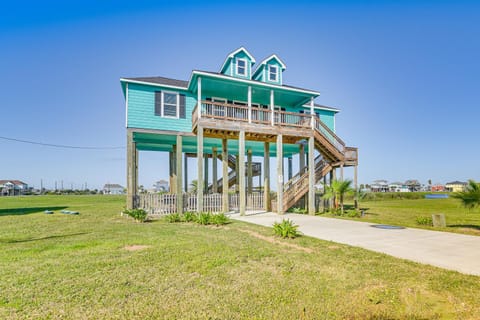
(217, 99)
(236, 67)
(178, 105)
(240, 103)
(269, 73)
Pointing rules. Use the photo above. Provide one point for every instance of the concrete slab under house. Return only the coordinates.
(227, 118)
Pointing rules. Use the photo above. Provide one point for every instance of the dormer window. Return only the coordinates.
(241, 67)
(273, 73)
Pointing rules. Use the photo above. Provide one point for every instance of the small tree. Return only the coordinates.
(194, 186)
(470, 198)
(337, 191)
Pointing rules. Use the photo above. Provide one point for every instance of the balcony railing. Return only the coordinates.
(234, 112)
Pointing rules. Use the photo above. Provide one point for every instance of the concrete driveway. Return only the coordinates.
(441, 249)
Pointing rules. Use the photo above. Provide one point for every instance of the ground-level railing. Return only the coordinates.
(162, 204)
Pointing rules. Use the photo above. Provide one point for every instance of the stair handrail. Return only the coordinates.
(326, 132)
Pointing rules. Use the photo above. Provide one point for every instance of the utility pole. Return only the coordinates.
(41, 186)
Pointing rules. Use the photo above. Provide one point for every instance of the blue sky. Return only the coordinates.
(404, 75)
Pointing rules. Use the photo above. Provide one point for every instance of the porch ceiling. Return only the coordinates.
(237, 90)
(165, 142)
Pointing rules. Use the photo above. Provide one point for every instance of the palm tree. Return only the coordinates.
(470, 198)
(194, 186)
(337, 190)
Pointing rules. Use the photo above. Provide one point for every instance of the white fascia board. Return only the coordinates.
(152, 84)
(278, 59)
(322, 108)
(252, 82)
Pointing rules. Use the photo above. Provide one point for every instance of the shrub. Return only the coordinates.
(204, 218)
(190, 216)
(173, 217)
(298, 210)
(286, 229)
(424, 221)
(137, 214)
(219, 219)
(353, 214)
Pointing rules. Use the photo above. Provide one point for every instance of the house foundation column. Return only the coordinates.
(173, 175)
(341, 172)
(225, 204)
(311, 176)
(266, 179)
(355, 185)
(280, 174)
(237, 173)
(290, 164)
(214, 170)
(131, 170)
(241, 176)
(185, 171)
(205, 177)
(200, 169)
(249, 172)
(179, 175)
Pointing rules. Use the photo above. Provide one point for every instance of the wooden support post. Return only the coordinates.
(173, 176)
(135, 185)
(131, 161)
(301, 156)
(249, 172)
(341, 172)
(311, 176)
(266, 174)
(205, 177)
(185, 172)
(280, 174)
(237, 174)
(178, 166)
(170, 172)
(290, 168)
(332, 174)
(325, 204)
(200, 169)
(225, 204)
(241, 176)
(355, 185)
(214, 170)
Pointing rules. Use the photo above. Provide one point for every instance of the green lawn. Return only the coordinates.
(405, 212)
(76, 267)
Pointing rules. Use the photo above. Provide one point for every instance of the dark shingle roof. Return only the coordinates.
(162, 80)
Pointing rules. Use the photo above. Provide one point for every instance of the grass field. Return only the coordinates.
(78, 267)
(405, 212)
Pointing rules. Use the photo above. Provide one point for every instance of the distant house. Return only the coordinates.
(455, 186)
(413, 185)
(12, 187)
(161, 186)
(113, 188)
(437, 187)
(379, 186)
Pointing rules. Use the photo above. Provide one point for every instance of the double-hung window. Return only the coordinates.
(170, 104)
(241, 67)
(273, 73)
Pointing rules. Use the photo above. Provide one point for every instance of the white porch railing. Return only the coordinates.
(163, 204)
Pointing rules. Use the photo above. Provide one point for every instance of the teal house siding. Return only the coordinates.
(230, 66)
(141, 109)
(327, 117)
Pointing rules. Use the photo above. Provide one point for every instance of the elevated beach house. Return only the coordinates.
(242, 111)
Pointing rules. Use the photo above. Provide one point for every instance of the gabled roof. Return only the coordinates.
(159, 80)
(233, 53)
(15, 182)
(457, 182)
(112, 185)
(264, 62)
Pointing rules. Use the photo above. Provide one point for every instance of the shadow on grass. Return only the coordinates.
(468, 226)
(42, 238)
(23, 211)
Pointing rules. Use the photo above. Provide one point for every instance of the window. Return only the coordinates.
(273, 73)
(169, 104)
(242, 67)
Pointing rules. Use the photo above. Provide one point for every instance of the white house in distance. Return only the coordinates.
(161, 186)
(12, 187)
(113, 188)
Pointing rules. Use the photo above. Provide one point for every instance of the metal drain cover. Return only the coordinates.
(386, 226)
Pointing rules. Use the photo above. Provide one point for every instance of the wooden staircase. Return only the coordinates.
(232, 176)
(297, 187)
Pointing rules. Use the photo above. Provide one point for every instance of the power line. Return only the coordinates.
(60, 145)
